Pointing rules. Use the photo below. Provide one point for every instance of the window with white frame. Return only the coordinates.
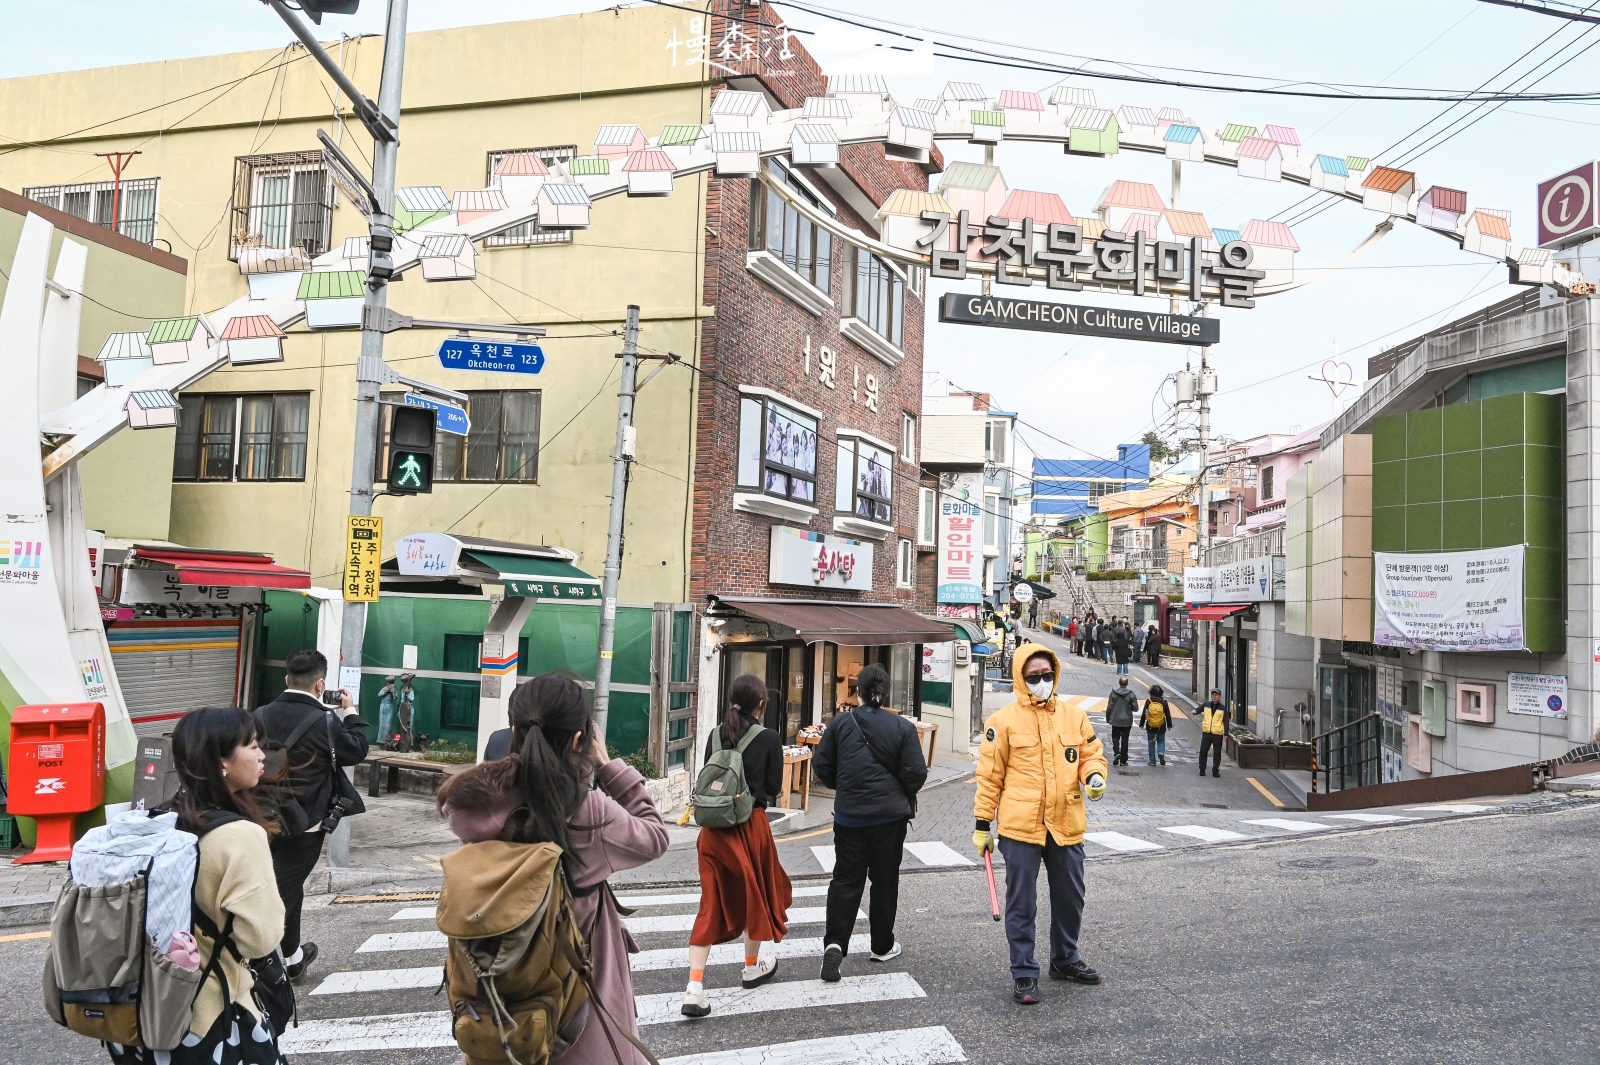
(282, 201)
(777, 450)
(904, 564)
(908, 437)
(529, 233)
(865, 484)
(991, 519)
(874, 294)
(784, 233)
(927, 516)
(1098, 489)
(995, 442)
(133, 206)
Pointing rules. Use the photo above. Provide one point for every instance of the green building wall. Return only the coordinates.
(1478, 475)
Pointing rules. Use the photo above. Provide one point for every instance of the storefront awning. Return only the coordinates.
(970, 631)
(237, 569)
(538, 578)
(846, 624)
(1218, 613)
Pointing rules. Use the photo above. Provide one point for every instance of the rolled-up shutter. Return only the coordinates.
(167, 668)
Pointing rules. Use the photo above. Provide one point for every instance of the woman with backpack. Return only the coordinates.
(219, 759)
(743, 888)
(559, 786)
(1155, 719)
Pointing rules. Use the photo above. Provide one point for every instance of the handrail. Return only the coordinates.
(1350, 753)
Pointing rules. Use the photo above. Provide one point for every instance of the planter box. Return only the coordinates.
(1256, 755)
(1295, 757)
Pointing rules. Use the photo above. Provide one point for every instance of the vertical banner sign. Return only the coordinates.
(1450, 600)
(960, 550)
(362, 555)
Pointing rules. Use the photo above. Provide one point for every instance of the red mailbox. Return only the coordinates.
(57, 771)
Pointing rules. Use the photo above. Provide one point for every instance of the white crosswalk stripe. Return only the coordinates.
(350, 983)
(1370, 819)
(432, 940)
(1118, 842)
(683, 922)
(1289, 825)
(1451, 808)
(416, 913)
(634, 902)
(793, 995)
(733, 953)
(936, 853)
(1207, 835)
(826, 857)
(907, 1046)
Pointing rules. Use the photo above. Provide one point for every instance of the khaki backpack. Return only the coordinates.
(721, 796)
(518, 968)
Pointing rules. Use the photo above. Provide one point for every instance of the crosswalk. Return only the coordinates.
(398, 972)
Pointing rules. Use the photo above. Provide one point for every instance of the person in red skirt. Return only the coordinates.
(743, 888)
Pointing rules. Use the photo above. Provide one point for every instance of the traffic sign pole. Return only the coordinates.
(614, 539)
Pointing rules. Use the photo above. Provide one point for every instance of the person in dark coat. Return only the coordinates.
(1138, 644)
(1108, 638)
(874, 762)
(322, 744)
(1121, 706)
(1152, 646)
(1122, 648)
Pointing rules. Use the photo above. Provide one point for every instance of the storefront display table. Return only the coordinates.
(796, 777)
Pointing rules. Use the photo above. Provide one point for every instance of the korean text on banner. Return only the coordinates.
(362, 556)
(1449, 601)
(1537, 694)
(960, 575)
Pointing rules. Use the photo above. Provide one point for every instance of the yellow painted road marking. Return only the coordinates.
(425, 861)
(1273, 799)
(24, 935)
(806, 835)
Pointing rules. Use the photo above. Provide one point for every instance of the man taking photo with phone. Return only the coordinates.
(312, 730)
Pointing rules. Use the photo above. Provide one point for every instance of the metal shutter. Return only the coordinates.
(167, 668)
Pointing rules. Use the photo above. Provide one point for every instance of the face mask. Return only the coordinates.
(1040, 689)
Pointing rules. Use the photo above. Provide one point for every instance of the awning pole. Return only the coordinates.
(619, 494)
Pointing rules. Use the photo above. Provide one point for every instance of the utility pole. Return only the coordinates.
(619, 494)
(1205, 387)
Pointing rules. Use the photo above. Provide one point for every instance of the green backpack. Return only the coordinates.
(721, 798)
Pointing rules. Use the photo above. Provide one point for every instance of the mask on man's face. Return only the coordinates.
(1040, 688)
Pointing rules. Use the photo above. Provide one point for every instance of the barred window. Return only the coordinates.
(529, 233)
(134, 206)
(256, 437)
(502, 444)
(282, 201)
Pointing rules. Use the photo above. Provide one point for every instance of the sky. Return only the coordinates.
(1080, 396)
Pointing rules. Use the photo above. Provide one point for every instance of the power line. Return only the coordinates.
(1542, 8)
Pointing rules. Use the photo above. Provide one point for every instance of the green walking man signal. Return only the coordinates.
(411, 442)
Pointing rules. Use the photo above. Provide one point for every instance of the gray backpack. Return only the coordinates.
(721, 798)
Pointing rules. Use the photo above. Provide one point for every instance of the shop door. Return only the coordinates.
(783, 671)
(167, 668)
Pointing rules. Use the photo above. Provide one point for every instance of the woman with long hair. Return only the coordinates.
(743, 888)
(219, 760)
(559, 786)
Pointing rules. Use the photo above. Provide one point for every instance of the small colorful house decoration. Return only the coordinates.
(959, 97)
(1357, 164)
(1071, 97)
(739, 112)
(988, 127)
(681, 136)
(520, 176)
(1043, 207)
(333, 298)
(1092, 131)
(153, 409)
(268, 271)
(1275, 248)
(1124, 199)
(1229, 138)
(618, 142)
(418, 204)
(1285, 137)
(900, 219)
(833, 108)
(1017, 104)
(588, 166)
(977, 188)
(650, 171)
(123, 357)
(814, 144)
(1329, 173)
(1260, 158)
(472, 204)
(738, 154)
(1167, 117)
(1144, 222)
(1185, 142)
(1139, 120)
(1441, 208)
(911, 131)
(1488, 232)
(1225, 236)
(252, 338)
(176, 340)
(1535, 266)
(1185, 226)
(867, 94)
(448, 257)
(1388, 190)
(563, 205)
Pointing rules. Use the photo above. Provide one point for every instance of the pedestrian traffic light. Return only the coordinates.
(411, 450)
(315, 9)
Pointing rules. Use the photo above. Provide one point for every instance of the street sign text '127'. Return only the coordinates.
(497, 356)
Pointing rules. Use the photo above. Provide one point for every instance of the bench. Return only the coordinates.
(394, 765)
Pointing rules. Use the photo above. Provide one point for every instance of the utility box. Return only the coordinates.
(155, 775)
(57, 771)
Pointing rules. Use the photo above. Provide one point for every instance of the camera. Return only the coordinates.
(332, 696)
(336, 811)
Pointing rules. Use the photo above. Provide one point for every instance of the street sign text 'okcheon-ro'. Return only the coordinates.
(498, 356)
(964, 309)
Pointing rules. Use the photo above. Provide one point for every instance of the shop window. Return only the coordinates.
(257, 437)
(865, 484)
(282, 201)
(780, 230)
(904, 565)
(875, 295)
(908, 437)
(135, 204)
(502, 445)
(777, 450)
(927, 515)
(529, 233)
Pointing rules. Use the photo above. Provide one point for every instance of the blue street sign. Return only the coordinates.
(470, 353)
(451, 419)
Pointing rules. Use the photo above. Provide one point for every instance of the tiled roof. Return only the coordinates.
(911, 118)
(962, 90)
(521, 164)
(1188, 224)
(1149, 224)
(1233, 131)
(816, 133)
(443, 245)
(332, 285)
(679, 136)
(1182, 134)
(250, 327)
(1388, 179)
(478, 200)
(617, 136)
(1072, 95)
(988, 118)
(745, 141)
(857, 84)
(1136, 194)
(963, 175)
(588, 166)
(913, 203)
(357, 247)
(1332, 165)
(1137, 116)
(1357, 162)
(1017, 100)
(154, 399)
(560, 192)
(1226, 236)
(124, 346)
(173, 331)
(656, 159)
(1535, 256)
(1042, 207)
(1095, 118)
(1492, 223)
(1258, 148)
(1444, 199)
(420, 199)
(1283, 134)
(1269, 235)
(729, 102)
(826, 107)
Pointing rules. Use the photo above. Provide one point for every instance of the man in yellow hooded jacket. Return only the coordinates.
(1040, 757)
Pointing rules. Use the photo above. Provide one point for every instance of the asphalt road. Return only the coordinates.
(1461, 941)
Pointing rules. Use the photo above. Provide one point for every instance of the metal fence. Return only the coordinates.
(1239, 548)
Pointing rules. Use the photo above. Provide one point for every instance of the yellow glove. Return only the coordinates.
(1095, 786)
(983, 840)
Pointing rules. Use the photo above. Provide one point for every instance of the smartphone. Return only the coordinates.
(332, 696)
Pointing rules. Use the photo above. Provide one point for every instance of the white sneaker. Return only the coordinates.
(763, 970)
(695, 1004)
(894, 952)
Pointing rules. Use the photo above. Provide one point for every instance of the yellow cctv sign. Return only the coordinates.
(362, 556)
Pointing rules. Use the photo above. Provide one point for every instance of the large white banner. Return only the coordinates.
(1449, 601)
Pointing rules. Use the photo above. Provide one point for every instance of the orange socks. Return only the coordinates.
(751, 959)
(696, 975)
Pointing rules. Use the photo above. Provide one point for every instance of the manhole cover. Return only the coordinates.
(1330, 861)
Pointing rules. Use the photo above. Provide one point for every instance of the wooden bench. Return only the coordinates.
(416, 765)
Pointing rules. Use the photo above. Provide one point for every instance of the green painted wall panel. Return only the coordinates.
(1388, 439)
(1503, 422)
(1503, 521)
(1424, 527)
(1388, 530)
(1389, 484)
(1463, 475)
(1424, 433)
(1424, 479)
(1463, 525)
(1543, 525)
(1544, 574)
(1463, 430)
(1503, 471)
(1545, 471)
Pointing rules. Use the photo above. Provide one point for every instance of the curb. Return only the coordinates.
(23, 910)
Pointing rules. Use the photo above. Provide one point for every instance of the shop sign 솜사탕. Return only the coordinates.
(363, 554)
(816, 560)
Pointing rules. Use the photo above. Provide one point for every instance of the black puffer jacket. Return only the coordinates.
(874, 762)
